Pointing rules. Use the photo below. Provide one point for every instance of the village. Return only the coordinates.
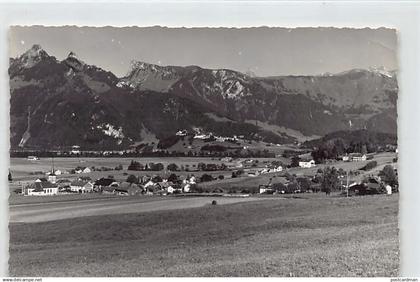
(353, 174)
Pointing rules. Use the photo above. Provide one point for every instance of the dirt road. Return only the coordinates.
(61, 210)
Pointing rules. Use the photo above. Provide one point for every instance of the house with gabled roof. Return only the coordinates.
(127, 188)
(307, 163)
(102, 183)
(81, 186)
(358, 157)
(41, 188)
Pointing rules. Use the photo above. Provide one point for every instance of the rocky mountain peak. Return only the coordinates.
(33, 56)
(74, 62)
(72, 55)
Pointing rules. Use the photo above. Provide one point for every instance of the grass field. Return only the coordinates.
(279, 237)
(22, 168)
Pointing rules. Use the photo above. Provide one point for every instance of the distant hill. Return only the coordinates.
(56, 104)
(355, 137)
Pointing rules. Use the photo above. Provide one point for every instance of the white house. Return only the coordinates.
(41, 188)
(81, 186)
(193, 180)
(170, 189)
(278, 169)
(265, 170)
(307, 164)
(346, 158)
(75, 150)
(357, 157)
(263, 189)
(388, 190)
(181, 132)
(33, 158)
(86, 170)
(149, 183)
(187, 188)
(201, 136)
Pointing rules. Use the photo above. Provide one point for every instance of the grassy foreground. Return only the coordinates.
(279, 237)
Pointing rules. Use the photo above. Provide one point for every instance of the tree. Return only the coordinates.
(201, 166)
(389, 176)
(156, 167)
(369, 165)
(157, 179)
(279, 187)
(132, 179)
(206, 177)
(173, 178)
(119, 167)
(330, 180)
(9, 177)
(135, 166)
(295, 161)
(304, 183)
(172, 167)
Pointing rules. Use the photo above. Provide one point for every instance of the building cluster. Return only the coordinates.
(148, 185)
(357, 157)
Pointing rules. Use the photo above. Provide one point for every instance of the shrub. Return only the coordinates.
(389, 176)
(172, 167)
(206, 178)
(369, 165)
(168, 142)
(136, 166)
(132, 179)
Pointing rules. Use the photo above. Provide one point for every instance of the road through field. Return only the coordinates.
(40, 212)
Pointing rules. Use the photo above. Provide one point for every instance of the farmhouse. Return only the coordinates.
(186, 187)
(41, 188)
(82, 170)
(86, 170)
(226, 159)
(149, 183)
(307, 163)
(182, 132)
(346, 158)
(168, 186)
(33, 158)
(358, 157)
(81, 186)
(127, 188)
(265, 189)
(102, 183)
(75, 150)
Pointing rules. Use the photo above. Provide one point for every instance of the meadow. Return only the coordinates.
(24, 170)
(305, 236)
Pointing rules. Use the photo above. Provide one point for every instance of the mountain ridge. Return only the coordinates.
(102, 108)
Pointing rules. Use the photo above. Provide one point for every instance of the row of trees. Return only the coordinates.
(137, 166)
(335, 148)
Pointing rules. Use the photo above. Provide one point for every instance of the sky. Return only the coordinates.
(263, 51)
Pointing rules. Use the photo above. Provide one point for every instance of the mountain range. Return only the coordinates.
(56, 104)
